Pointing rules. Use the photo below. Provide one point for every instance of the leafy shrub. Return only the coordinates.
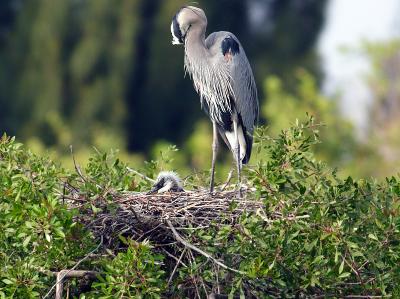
(37, 231)
(317, 234)
(346, 236)
(135, 273)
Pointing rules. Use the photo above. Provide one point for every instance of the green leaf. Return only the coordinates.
(373, 237)
(26, 241)
(352, 244)
(48, 237)
(95, 209)
(207, 237)
(341, 267)
(29, 224)
(7, 281)
(324, 236)
(344, 275)
(336, 256)
(271, 265)
(308, 247)
(242, 296)
(59, 232)
(18, 196)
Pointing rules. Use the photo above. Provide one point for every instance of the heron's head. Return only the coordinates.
(184, 19)
(167, 181)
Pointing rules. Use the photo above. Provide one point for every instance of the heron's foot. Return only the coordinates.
(211, 188)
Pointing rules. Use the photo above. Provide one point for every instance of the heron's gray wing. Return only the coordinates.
(227, 52)
(229, 58)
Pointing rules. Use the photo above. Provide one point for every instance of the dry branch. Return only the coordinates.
(190, 246)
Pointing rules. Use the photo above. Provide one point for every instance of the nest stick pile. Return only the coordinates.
(157, 216)
(168, 221)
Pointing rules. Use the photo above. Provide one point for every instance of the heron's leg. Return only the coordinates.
(237, 155)
(214, 155)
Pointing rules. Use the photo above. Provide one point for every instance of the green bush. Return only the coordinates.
(135, 273)
(317, 234)
(345, 239)
(37, 231)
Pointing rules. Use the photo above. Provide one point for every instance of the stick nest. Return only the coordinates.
(169, 221)
(150, 216)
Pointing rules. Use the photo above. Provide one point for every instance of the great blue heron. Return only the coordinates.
(167, 181)
(224, 80)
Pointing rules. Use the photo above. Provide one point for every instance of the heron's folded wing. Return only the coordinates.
(228, 53)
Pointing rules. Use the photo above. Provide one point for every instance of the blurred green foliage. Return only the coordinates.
(104, 73)
(62, 80)
(383, 130)
(282, 107)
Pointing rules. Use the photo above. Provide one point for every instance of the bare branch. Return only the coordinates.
(198, 250)
(140, 174)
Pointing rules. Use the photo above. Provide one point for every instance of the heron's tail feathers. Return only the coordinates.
(245, 143)
(249, 146)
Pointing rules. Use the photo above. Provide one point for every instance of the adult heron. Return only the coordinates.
(224, 80)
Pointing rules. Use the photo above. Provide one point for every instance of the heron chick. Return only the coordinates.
(223, 77)
(167, 181)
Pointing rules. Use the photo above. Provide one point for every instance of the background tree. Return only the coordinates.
(283, 107)
(381, 144)
(87, 72)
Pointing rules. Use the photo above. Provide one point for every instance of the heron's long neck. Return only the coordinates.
(195, 44)
(211, 83)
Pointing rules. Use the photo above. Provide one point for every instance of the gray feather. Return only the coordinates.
(240, 77)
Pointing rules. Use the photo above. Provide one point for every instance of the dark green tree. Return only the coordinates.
(76, 71)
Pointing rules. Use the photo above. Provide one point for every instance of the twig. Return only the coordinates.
(59, 279)
(174, 257)
(77, 168)
(149, 231)
(356, 272)
(216, 271)
(176, 267)
(227, 180)
(190, 246)
(140, 174)
(63, 197)
(193, 278)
